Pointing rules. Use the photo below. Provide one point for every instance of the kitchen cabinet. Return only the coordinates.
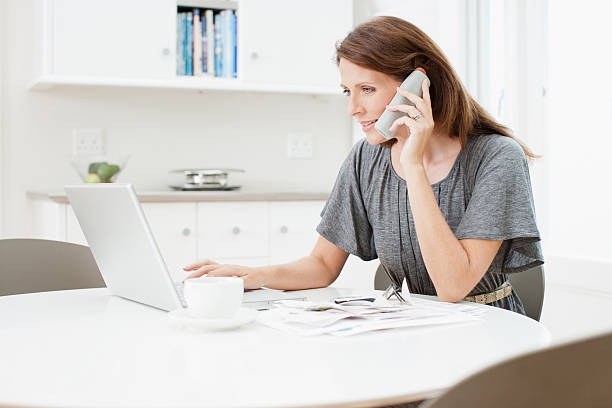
(248, 233)
(282, 46)
(133, 38)
(292, 42)
(293, 229)
(233, 230)
(175, 230)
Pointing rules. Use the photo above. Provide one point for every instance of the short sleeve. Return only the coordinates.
(501, 205)
(344, 221)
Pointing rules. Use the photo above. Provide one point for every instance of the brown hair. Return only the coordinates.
(396, 47)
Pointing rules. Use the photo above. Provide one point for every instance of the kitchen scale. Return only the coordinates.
(206, 180)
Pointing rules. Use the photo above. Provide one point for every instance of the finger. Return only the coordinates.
(419, 102)
(199, 264)
(223, 271)
(409, 109)
(204, 270)
(426, 95)
(404, 120)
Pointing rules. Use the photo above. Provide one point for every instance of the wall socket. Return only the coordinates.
(87, 142)
(299, 145)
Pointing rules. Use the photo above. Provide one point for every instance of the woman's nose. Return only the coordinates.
(353, 107)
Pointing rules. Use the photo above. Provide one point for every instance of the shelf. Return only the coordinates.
(209, 4)
(47, 82)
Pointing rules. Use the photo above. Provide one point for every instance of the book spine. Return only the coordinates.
(184, 42)
(189, 43)
(210, 43)
(235, 24)
(228, 47)
(179, 44)
(218, 46)
(197, 44)
(204, 48)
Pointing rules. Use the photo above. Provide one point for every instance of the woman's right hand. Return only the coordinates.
(254, 278)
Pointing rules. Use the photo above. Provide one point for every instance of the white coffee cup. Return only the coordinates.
(214, 297)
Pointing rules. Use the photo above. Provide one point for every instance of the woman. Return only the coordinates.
(447, 204)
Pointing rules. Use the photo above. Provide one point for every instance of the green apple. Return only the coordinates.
(107, 171)
(92, 178)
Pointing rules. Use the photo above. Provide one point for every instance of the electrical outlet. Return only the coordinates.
(299, 146)
(87, 142)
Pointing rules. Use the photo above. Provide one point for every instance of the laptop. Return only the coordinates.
(127, 255)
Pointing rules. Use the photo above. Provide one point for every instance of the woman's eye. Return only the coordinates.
(366, 90)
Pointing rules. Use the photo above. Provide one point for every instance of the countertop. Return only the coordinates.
(164, 196)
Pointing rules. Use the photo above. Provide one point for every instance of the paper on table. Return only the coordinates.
(312, 318)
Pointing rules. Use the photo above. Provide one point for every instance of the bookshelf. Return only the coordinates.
(282, 47)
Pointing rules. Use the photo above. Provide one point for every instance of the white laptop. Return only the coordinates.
(126, 252)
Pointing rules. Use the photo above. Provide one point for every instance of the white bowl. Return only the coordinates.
(99, 169)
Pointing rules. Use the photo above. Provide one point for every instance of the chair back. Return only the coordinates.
(381, 280)
(576, 374)
(529, 285)
(39, 265)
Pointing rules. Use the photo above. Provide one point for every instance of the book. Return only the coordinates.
(235, 23)
(210, 43)
(228, 43)
(197, 44)
(184, 43)
(189, 66)
(204, 47)
(218, 45)
(180, 66)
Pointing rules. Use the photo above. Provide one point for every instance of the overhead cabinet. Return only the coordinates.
(284, 46)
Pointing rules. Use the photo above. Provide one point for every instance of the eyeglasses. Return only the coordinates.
(394, 288)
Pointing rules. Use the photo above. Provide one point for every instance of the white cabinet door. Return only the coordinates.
(293, 229)
(291, 42)
(232, 230)
(135, 38)
(174, 228)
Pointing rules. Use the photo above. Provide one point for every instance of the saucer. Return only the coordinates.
(242, 317)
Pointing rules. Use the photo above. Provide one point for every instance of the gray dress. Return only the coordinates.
(486, 195)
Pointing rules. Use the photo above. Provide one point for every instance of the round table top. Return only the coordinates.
(87, 348)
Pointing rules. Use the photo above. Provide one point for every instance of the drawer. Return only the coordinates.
(293, 231)
(232, 230)
(174, 228)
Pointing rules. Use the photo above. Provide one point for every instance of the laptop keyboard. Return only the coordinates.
(180, 291)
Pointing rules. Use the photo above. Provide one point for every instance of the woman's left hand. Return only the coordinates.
(419, 121)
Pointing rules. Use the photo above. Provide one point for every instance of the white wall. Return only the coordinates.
(2, 103)
(160, 129)
(580, 137)
(578, 245)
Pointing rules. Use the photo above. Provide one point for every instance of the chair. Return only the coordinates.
(576, 374)
(529, 285)
(38, 265)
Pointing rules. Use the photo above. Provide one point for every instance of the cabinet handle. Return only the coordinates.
(235, 230)
(186, 232)
(254, 55)
(284, 229)
(166, 51)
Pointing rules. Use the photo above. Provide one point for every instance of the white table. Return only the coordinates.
(85, 348)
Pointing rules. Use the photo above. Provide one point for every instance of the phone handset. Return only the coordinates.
(412, 84)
